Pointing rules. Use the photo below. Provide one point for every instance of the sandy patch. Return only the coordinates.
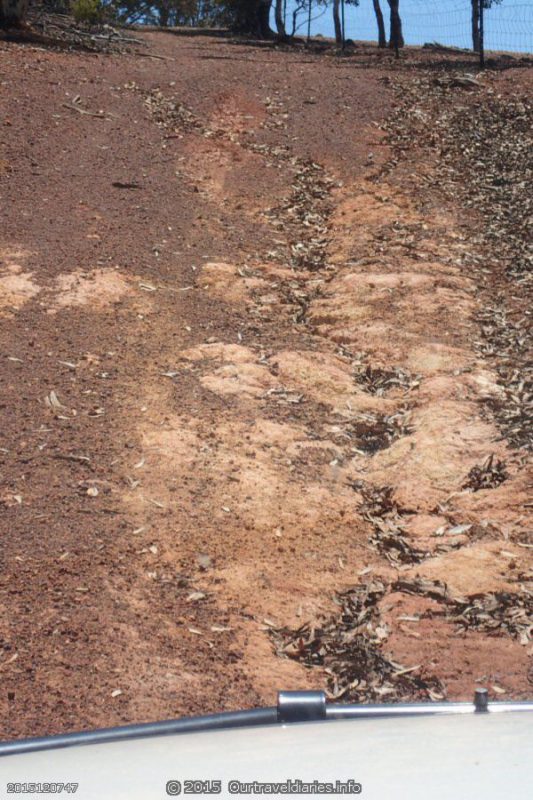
(363, 212)
(476, 569)
(326, 378)
(393, 314)
(99, 289)
(17, 286)
(229, 282)
(433, 461)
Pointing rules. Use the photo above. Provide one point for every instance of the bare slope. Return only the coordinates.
(240, 375)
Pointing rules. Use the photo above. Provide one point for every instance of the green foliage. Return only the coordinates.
(90, 11)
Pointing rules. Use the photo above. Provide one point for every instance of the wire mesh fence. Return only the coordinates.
(508, 25)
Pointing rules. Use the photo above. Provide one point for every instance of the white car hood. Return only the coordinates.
(456, 757)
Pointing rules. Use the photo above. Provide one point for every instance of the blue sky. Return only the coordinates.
(509, 26)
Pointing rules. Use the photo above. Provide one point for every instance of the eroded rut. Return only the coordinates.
(309, 488)
(373, 427)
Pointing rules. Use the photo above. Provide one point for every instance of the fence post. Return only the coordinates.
(309, 22)
(482, 34)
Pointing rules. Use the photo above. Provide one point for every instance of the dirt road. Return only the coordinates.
(239, 377)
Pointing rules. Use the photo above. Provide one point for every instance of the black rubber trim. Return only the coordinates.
(245, 719)
(210, 722)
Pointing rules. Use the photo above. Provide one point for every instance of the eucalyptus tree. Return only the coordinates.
(382, 36)
(396, 34)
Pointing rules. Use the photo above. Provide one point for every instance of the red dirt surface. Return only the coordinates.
(183, 438)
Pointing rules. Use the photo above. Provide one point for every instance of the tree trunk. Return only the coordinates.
(475, 25)
(337, 22)
(294, 21)
(382, 37)
(396, 34)
(280, 19)
(12, 12)
(263, 19)
(253, 17)
(164, 13)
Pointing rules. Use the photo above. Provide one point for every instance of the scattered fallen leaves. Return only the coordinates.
(488, 475)
(348, 648)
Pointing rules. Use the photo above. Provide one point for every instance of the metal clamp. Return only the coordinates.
(481, 700)
(301, 706)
